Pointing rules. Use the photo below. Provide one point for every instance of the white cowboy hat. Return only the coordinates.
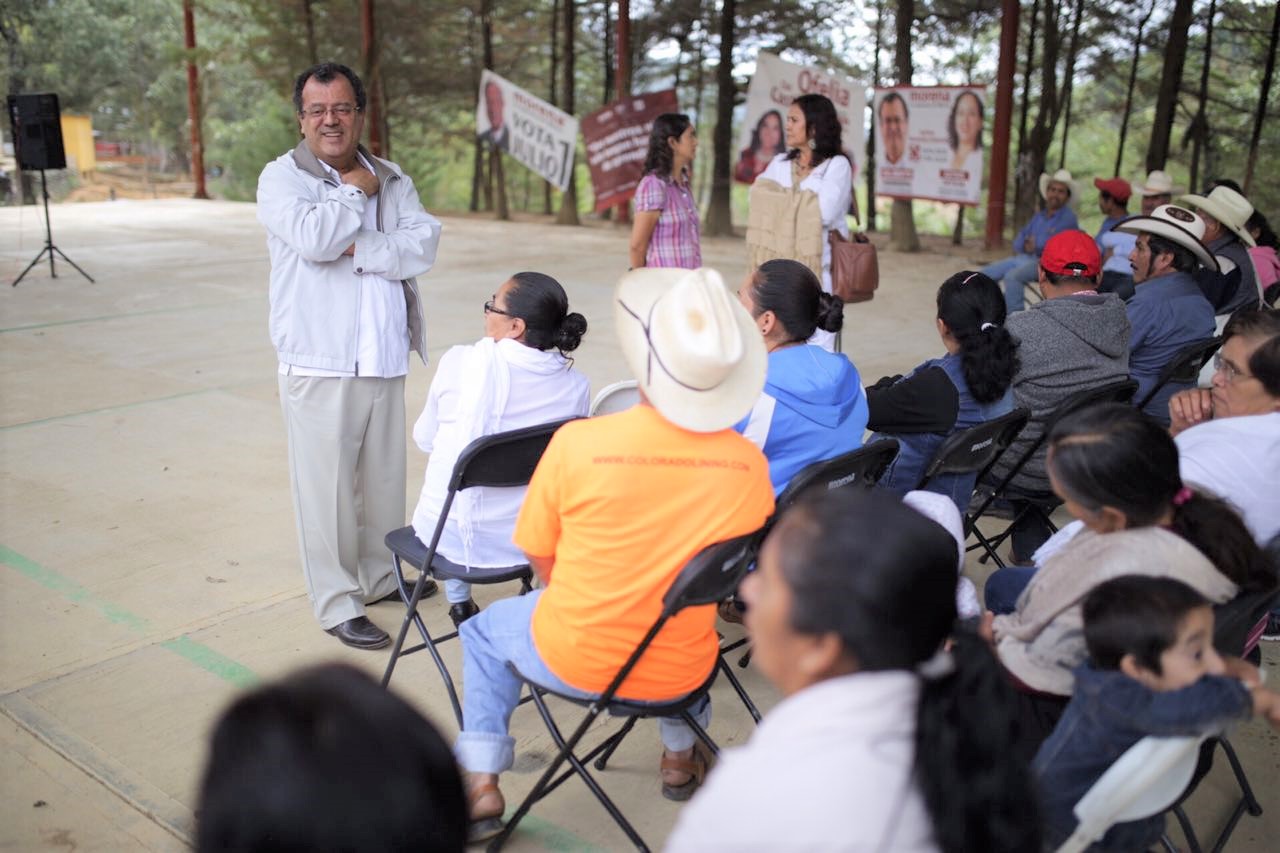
(1175, 224)
(1062, 176)
(1157, 183)
(1228, 207)
(694, 350)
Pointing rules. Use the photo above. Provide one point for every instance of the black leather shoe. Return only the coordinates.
(428, 590)
(463, 611)
(360, 633)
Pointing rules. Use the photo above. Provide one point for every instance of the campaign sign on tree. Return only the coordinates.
(774, 86)
(532, 131)
(929, 142)
(617, 139)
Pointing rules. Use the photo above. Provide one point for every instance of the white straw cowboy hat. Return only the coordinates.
(694, 350)
(1175, 224)
(1157, 183)
(1062, 176)
(1228, 207)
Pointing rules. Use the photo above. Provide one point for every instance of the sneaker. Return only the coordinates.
(1271, 633)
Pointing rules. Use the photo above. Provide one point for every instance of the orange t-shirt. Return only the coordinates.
(623, 502)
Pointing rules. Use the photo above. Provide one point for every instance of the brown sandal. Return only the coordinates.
(695, 767)
(487, 824)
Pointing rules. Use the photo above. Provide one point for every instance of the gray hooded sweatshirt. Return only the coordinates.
(1068, 344)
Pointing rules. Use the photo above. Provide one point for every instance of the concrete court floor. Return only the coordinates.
(149, 559)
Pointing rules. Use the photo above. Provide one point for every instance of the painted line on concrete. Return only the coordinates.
(126, 315)
(215, 663)
(135, 404)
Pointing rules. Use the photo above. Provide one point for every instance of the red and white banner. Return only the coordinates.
(929, 142)
(617, 140)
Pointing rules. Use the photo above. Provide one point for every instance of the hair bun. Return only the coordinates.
(830, 313)
(570, 333)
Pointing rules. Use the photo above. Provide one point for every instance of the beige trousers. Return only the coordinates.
(347, 470)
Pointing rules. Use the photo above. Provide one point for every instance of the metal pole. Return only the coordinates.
(622, 79)
(999, 173)
(193, 100)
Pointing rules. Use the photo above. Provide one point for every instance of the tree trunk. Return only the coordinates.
(1198, 132)
(478, 180)
(719, 212)
(1175, 54)
(1032, 163)
(609, 74)
(1019, 171)
(1262, 99)
(497, 180)
(699, 85)
(309, 25)
(551, 90)
(1133, 78)
(568, 214)
(871, 137)
(902, 223)
(1068, 81)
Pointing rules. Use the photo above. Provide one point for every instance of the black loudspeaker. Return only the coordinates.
(37, 131)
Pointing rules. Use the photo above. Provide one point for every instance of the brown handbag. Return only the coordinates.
(855, 270)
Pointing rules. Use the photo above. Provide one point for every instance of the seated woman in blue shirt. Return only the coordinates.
(968, 385)
(812, 407)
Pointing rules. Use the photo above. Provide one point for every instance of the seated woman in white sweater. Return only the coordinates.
(873, 745)
(517, 375)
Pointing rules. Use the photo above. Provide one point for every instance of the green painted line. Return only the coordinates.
(105, 317)
(126, 406)
(215, 663)
(550, 835)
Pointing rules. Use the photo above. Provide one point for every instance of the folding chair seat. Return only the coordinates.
(1145, 781)
(503, 460)
(861, 468)
(1041, 503)
(709, 577)
(1184, 367)
(974, 450)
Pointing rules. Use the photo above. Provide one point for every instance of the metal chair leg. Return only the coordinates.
(1193, 843)
(614, 742)
(738, 688)
(412, 616)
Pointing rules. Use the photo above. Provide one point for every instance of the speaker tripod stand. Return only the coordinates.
(49, 248)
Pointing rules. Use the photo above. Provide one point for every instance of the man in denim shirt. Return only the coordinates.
(1168, 311)
(1153, 672)
(1014, 273)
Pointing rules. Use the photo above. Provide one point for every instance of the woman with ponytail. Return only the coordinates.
(1116, 471)
(812, 407)
(517, 375)
(968, 385)
(883, 740)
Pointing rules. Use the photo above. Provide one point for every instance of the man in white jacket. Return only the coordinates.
(346, 234)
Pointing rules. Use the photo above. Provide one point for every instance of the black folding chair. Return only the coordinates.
(506, 459)
(1041, 503)
(861, 468)
(974, 450)
(709, 577)
(1183, 367)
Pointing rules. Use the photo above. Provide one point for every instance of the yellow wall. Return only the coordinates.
(77, 140)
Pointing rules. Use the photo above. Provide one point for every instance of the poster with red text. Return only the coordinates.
(774, 86)
(929, 142)
(616, 137)
(529, 129)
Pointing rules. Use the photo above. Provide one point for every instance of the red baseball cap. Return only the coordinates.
(1117, 188)
(1071, 253)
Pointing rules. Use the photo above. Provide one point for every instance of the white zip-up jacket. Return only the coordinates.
(311, 219)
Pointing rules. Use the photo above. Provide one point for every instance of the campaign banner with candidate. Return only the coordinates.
(929, 142)
(774, 86)
(617, 139)
(532, 131)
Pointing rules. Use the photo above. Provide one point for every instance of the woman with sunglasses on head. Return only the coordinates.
(517, 375)
(883, 740)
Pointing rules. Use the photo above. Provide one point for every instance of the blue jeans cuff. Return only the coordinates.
(485, 752)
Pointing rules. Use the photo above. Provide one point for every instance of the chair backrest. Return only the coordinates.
(1234, 620)
(974, 449)
(1183, 367)
(712, 575)
(504, 458)
(1146, 780)
(861, 468)
(617, 397)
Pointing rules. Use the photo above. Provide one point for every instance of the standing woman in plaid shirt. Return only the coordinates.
(665, 231)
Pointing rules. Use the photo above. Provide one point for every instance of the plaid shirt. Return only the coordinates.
(675, 241)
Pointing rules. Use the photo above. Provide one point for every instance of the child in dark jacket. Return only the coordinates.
(1152, 671)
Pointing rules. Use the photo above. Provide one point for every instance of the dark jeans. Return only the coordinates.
(1004, 586)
